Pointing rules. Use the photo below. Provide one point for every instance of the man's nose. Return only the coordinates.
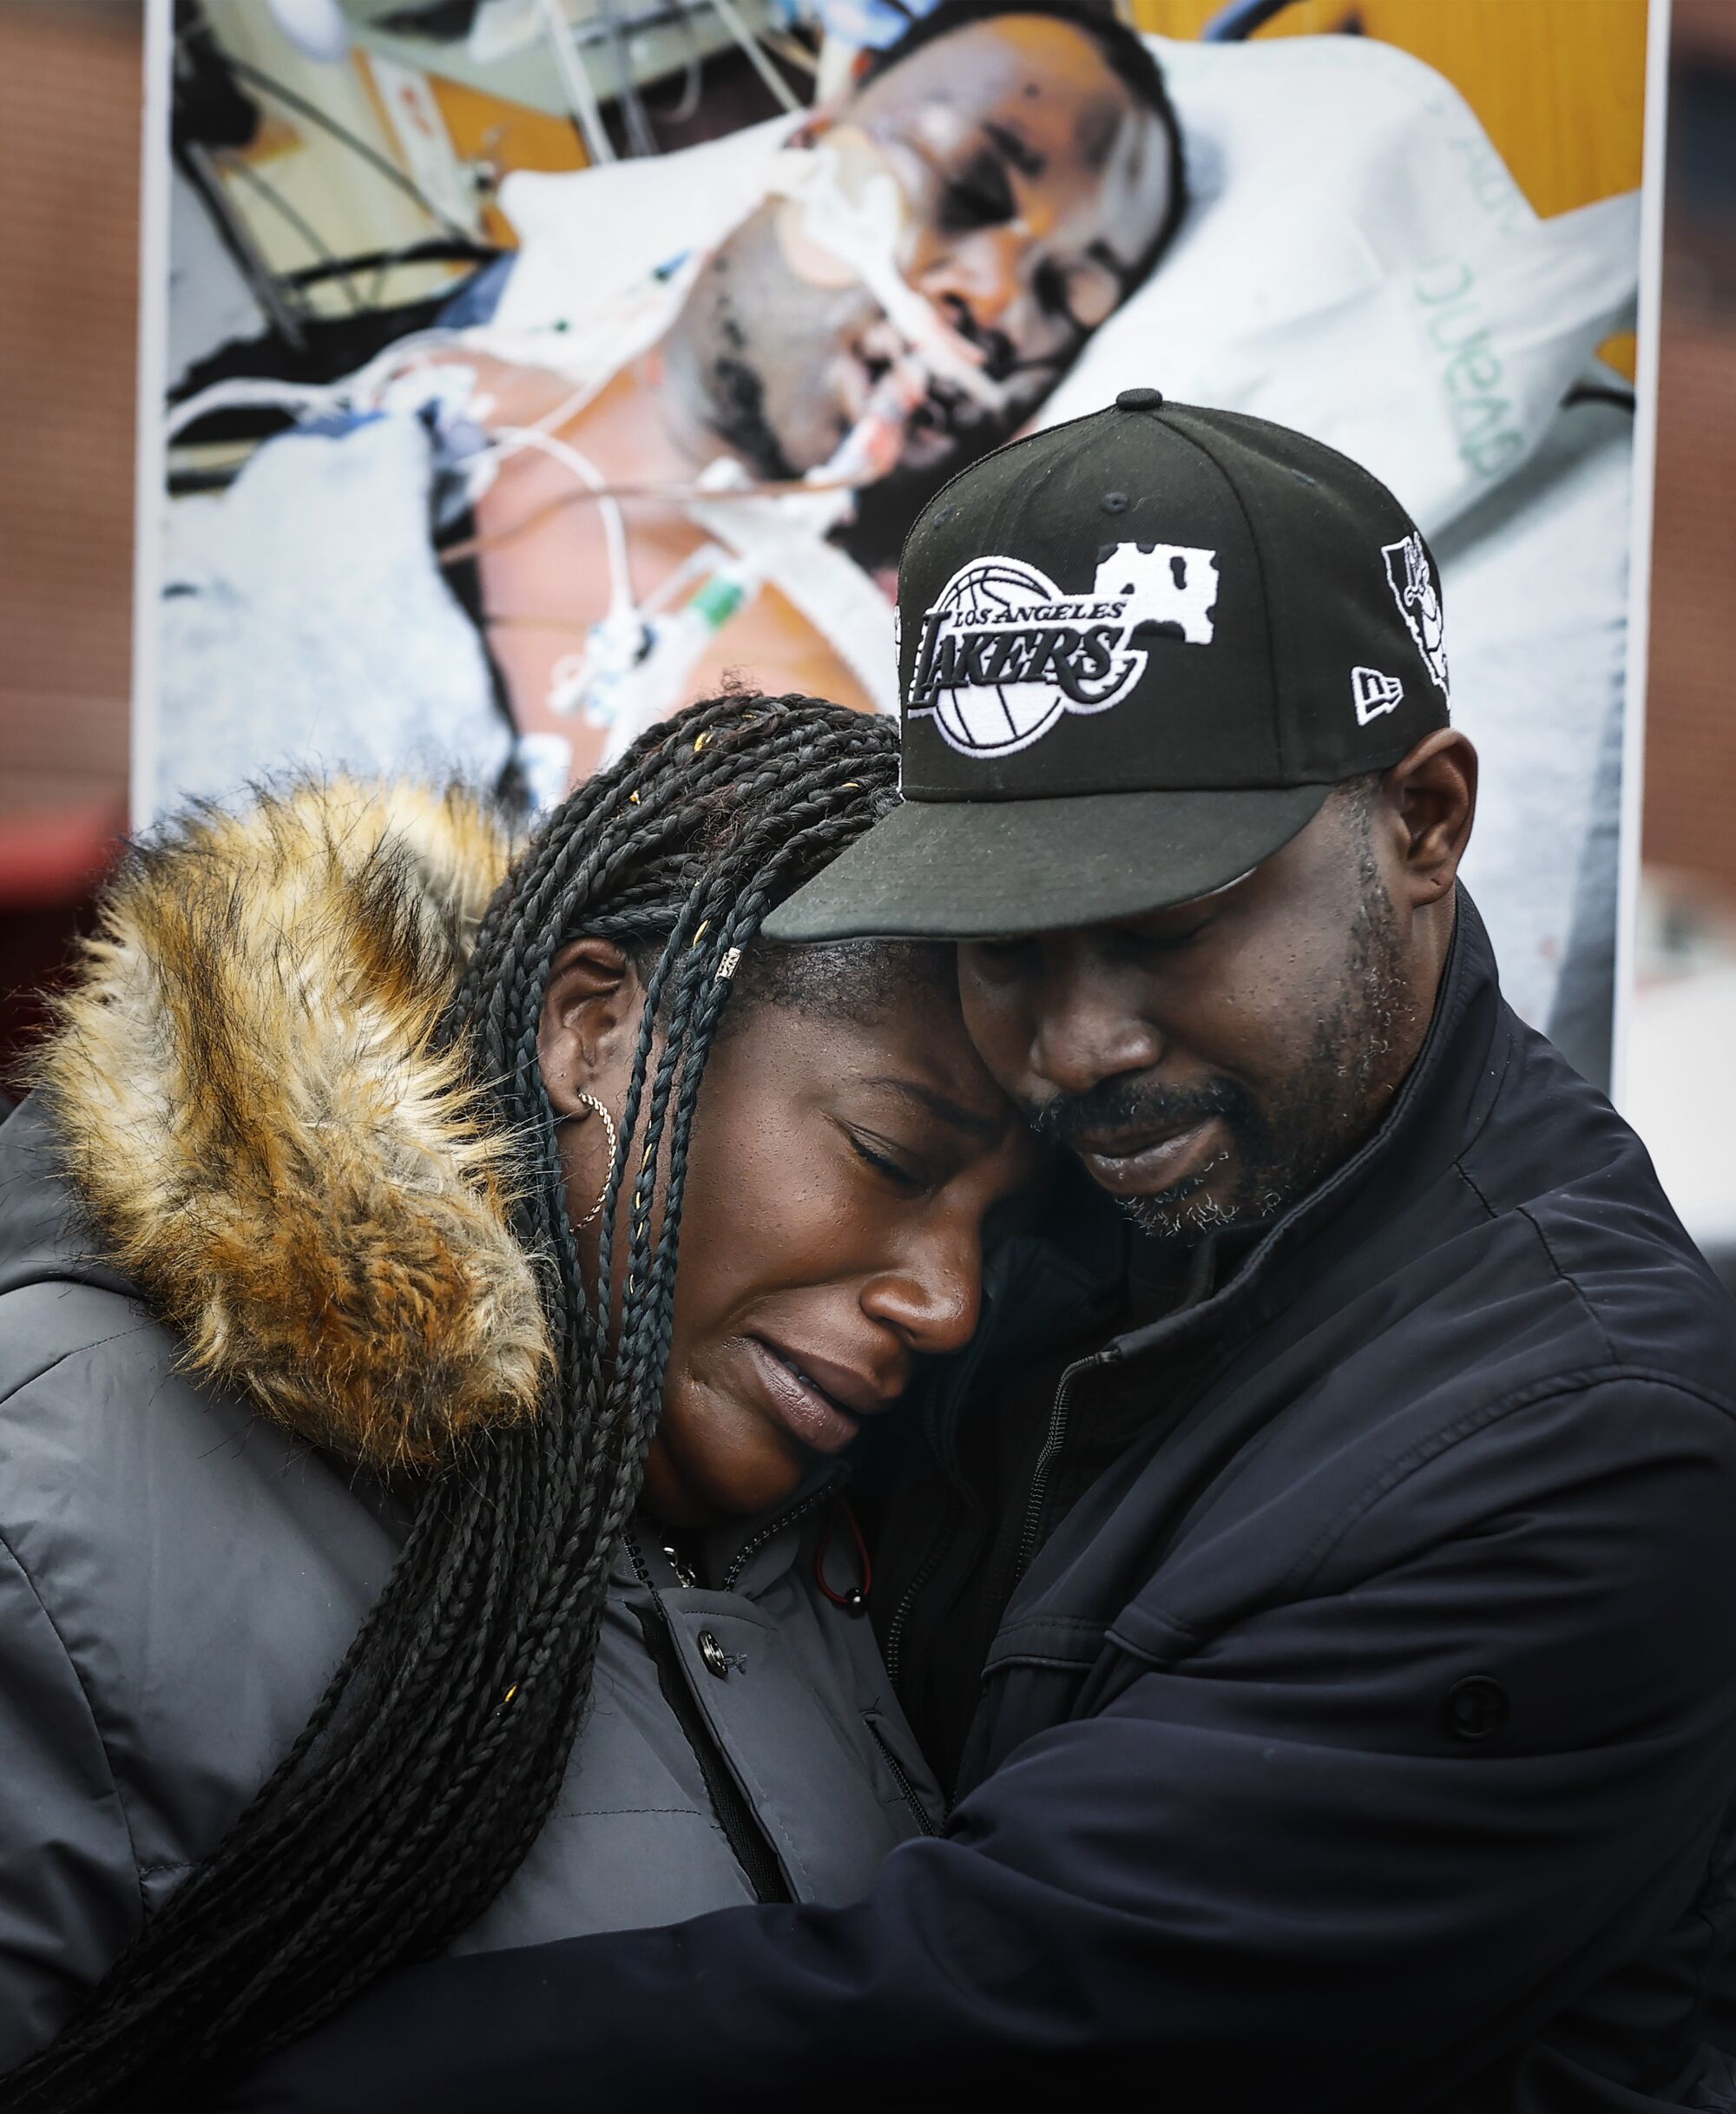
(930, 1294)
(981, 270)
(1085, 1032)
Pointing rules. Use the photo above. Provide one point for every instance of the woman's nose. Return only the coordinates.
(931, 1298)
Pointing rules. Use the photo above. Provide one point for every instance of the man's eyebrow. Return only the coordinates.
(1022, 155)
(984, 1129)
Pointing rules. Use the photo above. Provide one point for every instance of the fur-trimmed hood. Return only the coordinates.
(246, 1081)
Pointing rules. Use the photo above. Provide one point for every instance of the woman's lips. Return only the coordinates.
(800, 1405)
(1149, 1170)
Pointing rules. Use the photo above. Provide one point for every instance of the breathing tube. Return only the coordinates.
(845, 218)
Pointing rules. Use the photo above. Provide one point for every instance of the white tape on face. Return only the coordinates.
(849, 223)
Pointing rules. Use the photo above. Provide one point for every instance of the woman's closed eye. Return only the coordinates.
(895, 1162)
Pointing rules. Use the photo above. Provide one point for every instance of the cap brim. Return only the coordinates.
(989, 869)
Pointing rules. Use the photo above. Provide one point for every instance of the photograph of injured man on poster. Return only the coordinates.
(527, 379)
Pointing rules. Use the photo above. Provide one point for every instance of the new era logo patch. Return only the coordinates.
(1374, 693)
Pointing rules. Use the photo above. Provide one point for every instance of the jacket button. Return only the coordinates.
(1476, 1707)
(712, 1652)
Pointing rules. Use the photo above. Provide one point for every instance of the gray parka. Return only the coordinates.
(215, 1383)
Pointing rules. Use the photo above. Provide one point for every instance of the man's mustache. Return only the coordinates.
(1136, 1106)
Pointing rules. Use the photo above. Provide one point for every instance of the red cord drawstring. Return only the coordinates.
(854, 1601)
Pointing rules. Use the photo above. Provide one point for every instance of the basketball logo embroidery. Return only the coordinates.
(1004, 654)
(1411, 578)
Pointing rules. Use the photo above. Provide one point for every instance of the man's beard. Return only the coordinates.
(736, 402)
(750, 324)
(1323, 1110)
(886, 510)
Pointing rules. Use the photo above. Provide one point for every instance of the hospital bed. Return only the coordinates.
(1357, 262)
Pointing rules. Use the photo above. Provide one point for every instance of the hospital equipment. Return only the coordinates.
(638, 657)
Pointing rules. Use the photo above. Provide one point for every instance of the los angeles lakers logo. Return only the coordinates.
(1004, 652)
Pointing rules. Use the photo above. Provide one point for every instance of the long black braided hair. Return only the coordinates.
(432, 1760)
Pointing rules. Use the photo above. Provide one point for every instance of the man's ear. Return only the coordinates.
(1433, 796)
(591, 1013)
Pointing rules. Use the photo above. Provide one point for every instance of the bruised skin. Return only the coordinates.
(1034, 183)
(1033, 179)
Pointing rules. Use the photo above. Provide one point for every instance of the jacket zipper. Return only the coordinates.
(1054, 1439)
(919, 1812)
(893, 1649)
(757, 1541)
(962, 1378)
(925, 1571)
(741, 1826)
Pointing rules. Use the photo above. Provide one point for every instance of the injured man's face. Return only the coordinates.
(1033, 183)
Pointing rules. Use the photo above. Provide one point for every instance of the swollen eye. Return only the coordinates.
(963, 210)
(1087, 296)
(979, 198)
(1092, 295)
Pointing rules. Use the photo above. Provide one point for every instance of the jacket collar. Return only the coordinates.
(269, 1139)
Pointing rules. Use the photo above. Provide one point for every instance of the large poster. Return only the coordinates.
(532, 366)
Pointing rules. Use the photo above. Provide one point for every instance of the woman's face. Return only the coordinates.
(840, 1177)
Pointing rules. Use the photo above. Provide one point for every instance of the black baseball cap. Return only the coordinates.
(1137, 651)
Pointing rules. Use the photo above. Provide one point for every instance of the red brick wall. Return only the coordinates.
(1691, 717)
(1691, 724)
(69, 118)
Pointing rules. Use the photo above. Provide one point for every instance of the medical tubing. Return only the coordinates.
(372, 155)
(582, 96)
(513, 439)
(241, 392)
(360, 388)
(237, 165)
(736, 23)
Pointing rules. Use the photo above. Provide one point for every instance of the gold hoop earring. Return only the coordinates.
(591, 1102)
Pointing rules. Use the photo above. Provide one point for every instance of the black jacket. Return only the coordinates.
(1365, 1741)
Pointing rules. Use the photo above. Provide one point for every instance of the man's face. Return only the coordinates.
(1034, 183)
(1211, 1062)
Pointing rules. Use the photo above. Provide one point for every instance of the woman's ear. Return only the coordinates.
(589, 1027)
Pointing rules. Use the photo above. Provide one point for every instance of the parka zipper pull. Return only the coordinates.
(1053, 1440)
